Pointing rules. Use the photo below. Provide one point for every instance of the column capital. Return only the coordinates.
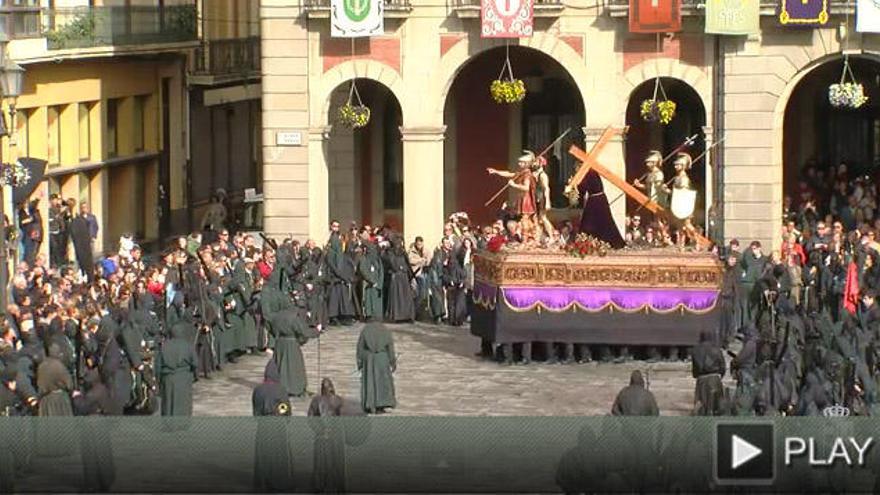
(592, 134)
(321, 133)
(423, 133)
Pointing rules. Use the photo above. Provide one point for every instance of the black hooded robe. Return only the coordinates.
(401, 303)
(596, 219)
(708, 368)
(273, 461)
(291, 332)
(175, 365)
(377, 362)
(635, 399)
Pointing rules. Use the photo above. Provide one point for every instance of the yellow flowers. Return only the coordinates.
(510, 91)
(847, 95)
(662, 111)
(354, 116)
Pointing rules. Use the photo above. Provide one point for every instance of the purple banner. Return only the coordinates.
(807, 13)
(559, 299)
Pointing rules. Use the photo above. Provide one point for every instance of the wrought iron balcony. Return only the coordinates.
(620, 8)
(320, 9)
(467, 9)
(87, 27)
(227, 60)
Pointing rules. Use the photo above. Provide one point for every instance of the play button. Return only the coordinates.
(743, 452)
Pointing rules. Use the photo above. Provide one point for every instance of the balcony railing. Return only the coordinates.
(620, 8)
(542, 8)
(238, 56)
(393, 8)
(87, 27)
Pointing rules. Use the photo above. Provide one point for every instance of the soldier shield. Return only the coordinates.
(683, 202)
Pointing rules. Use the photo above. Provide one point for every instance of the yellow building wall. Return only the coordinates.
(123, 201)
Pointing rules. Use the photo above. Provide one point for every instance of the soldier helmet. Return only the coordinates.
(528, 156)
(654, 156)
(684, 159)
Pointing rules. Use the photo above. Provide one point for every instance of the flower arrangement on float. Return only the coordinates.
(354, 114)
(586, 245)
(658, 108)
(847, 93)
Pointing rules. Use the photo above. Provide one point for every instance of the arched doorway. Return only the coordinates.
(817, 137)
(481, 133)
(365, 165)
(643, 136)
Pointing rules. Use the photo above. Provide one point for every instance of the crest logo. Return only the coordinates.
(507, 8)
(357, 10)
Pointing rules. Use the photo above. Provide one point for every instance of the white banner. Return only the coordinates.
(867, 16)
(356, 18)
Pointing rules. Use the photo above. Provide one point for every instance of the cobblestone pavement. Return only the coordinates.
(438, 374)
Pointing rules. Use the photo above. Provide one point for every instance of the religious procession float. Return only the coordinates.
(594, 290)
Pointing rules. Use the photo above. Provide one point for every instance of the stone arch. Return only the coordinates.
(451, 64)
(667, 67)
(782, 100)
(355, 69)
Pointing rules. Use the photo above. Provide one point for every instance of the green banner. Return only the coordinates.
(732, 17)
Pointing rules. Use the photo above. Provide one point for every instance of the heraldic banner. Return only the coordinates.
(507, 18)
(654, 16)
(867, 16)
(807, 13)
(356, 18)
(733, 17)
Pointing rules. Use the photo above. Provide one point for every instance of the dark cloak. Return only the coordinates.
(377, 361)
(400, 298)
(708, 368)
(273, 462)
(635, 399)
(596, 219)
(175, 365)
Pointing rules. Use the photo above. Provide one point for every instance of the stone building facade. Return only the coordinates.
(434, 130)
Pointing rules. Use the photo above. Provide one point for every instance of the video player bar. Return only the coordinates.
(448, 455)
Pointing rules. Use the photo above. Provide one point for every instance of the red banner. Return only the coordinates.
(654, 16)
(507, 18)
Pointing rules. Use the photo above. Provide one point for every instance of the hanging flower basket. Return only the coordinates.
(507, 89)
(847, 93)
(658, 108)
(354, 114)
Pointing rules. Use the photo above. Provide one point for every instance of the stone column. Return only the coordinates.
(612, 158)
(423, 183)
(319, 184)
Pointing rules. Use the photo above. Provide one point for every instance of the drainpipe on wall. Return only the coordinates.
(718, 135)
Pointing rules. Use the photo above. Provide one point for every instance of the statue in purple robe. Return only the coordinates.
(596, 219)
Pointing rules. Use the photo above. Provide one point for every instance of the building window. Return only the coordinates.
(138, 124)
(22, 128)
(54, 135)
(112, 135)
(85, 132)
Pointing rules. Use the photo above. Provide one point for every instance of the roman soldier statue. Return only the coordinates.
(684, 199)
(523, 182)
(654, 180)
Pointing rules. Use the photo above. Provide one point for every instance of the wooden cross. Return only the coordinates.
(590, 161)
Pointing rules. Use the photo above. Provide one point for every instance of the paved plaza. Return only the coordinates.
(438, 374)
